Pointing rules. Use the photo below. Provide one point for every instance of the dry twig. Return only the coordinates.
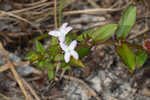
(96, 10)
(91, 11)
(11, 66)
(146, 92)
(146, 28)
(5, 97)
(31, 89)
(93, 3)
(2, 13)
(6, 66)
(55, 13)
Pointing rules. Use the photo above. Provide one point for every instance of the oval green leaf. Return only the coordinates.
(39, 47)
(59, 57)
(54, 49)
(31, 56)
(83, 52)
(67, 67)
(141, 57)
(40, 64)
(51, 74)
(127, 21)
(75, 62)
(85, 35)
(104, 33)
(127, 56)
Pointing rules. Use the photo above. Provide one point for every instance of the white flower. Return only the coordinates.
(69, 50)
(61, 32)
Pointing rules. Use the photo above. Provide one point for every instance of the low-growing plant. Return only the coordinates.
(65, 51)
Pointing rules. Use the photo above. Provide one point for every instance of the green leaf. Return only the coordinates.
(83, 52)
(67, 67)
(127, 21)
(39, 37)
(70, 37)
(141, 57)
(85, 35)
(50, 71)
(54, 47)
(75, 62)
(32, 56)
(51, 66)
(28, 56)
(40, 64)
(59, 57)
(63, 64)
(50, 74)
(104, 33)
(127, 56)
(39, 47)
(47, 62)
(54, 41)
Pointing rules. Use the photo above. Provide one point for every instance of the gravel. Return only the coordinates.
(110, 80)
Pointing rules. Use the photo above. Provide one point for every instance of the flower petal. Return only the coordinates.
(67, 57)
(67, 29)
(73, 44)
(61, 39)
(54, 33)
(63, 46)
(75, 54)
(64, 29)
(63, 26)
